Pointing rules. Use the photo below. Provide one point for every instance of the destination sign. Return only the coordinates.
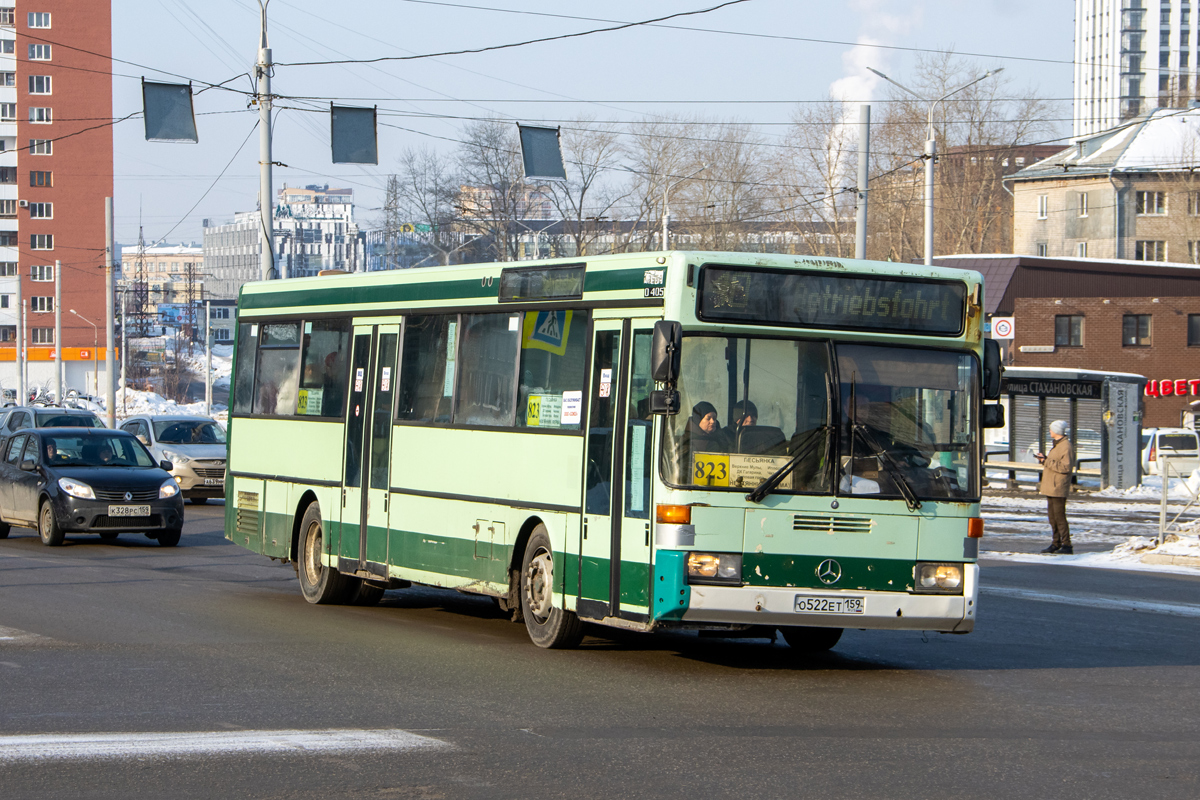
(824, 300)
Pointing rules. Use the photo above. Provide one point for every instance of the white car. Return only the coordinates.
(1182, 444)
(195, 445)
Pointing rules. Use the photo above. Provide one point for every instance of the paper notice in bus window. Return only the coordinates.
(358, 379)
(450, 331)
(448, 385)
(637, 468)
(572, 408)
(514, 323)
(385, 380)
(606, 376)
(543, 411)
(310, 402)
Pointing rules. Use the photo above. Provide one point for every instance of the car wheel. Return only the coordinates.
(4, 529)
(319, 584)
(109, 536)
(169, 538)
(811, 640)
(549, 626)
(199, 501)
(48, 528)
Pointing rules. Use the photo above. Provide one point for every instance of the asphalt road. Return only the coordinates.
(1077, 683)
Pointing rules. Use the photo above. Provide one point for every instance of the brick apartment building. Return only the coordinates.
(56, 168)
(1093, 314)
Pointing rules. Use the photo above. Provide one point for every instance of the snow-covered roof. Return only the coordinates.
(1162, 141)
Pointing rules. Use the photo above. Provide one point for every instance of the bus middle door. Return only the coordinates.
(364, 539)
(615, 541)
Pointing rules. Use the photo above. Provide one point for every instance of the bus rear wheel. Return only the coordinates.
(811, 640)
(318, 583)
(549, 626)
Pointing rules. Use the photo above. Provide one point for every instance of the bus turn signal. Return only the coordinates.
(674, 515)
(975, 528)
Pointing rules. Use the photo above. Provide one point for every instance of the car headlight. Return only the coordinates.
(178, 459)
(76, 489)
(168, 489)
(938, 578)
(723, 568)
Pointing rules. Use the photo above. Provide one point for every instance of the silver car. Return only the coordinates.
(195, 445)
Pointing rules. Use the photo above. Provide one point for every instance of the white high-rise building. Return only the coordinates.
(1131, 56)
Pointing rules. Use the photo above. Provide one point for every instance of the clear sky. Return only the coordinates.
(765, 54)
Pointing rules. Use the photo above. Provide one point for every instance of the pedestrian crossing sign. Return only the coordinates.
(546, 330)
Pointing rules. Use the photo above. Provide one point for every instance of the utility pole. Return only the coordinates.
(124, 356)
(207, 358)
(266, 205)
(20, 359)
(110, 376)
(58, 360)
(864, 157)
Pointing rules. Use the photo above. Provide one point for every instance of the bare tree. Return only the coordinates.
(658, 156)
(591, 151)
(817, 167)
(726, 200)
(420, 204)
(493, 196)
(977, 132)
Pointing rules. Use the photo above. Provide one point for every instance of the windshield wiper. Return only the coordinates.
(807, 444)
(910, 497)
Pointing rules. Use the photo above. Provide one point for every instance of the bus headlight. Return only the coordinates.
(938, 578)
(720, 568)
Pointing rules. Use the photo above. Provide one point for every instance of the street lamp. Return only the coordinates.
(95, 345)
(667, 208)
(931, 149)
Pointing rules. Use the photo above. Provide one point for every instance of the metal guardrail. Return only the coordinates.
(1165, 468)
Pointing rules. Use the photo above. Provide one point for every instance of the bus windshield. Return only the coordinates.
(754, 405)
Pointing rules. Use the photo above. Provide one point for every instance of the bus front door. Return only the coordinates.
(364, 528)
(614, 542)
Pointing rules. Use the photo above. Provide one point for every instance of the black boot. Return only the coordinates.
(1065, 550)
(1051, 549)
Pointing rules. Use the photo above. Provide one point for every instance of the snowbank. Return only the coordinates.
(1126, 555)
(1151, 489)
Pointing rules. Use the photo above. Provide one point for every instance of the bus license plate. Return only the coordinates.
(214, 481)
(129, 511)
(829, 605)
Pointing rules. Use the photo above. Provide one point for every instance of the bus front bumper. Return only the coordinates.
(772, 606)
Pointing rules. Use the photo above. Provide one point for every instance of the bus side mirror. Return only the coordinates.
(992, 369)
(664, 351)
(993, 415)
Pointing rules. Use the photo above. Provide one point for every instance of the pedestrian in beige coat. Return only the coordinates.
(1056, 485)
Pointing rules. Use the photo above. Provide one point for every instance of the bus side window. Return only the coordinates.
(553, 345)
(427, 368)
(323, 380)
(278, 369)
(247, 355)
(488, 352)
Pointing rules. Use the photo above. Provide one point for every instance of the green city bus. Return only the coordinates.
(707, 441)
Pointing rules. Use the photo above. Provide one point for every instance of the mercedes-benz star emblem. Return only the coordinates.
(829, 571)
(129, 496)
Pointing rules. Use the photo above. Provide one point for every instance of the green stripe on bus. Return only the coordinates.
(863, 574)
(372, 294)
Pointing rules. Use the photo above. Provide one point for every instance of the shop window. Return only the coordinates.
(1135, 330)
(1068, 330)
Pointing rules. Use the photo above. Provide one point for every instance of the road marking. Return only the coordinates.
(15, 636)
(1093, 601)
(207, 743)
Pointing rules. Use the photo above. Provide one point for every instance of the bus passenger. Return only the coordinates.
(703, 433)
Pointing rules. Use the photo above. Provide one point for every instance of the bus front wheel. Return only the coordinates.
(318, 583)
(548, 626)
(811, 640)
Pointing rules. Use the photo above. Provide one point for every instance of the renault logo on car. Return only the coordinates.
(829, 571)
(128, 496)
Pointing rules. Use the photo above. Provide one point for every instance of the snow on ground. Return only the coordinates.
(1127, 555)
(132, 402)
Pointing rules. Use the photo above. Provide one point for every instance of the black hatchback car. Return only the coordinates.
(86, 480)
